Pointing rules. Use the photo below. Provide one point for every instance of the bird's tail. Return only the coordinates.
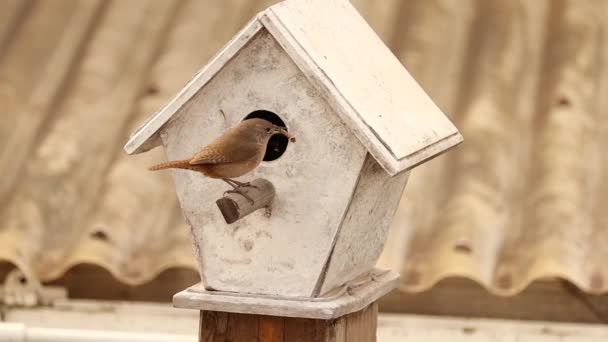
(175, 164)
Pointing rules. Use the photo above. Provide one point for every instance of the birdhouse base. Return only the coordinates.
(353, 296)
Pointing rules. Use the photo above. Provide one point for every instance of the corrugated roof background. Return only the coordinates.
(522, 199)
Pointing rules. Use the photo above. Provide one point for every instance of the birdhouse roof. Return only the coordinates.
(346, 61)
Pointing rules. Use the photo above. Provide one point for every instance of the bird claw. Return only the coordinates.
(237, 191)
(246, 185)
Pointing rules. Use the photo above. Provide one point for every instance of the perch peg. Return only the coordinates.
(236, 205)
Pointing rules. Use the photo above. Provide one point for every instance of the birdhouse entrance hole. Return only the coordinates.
(278, 143)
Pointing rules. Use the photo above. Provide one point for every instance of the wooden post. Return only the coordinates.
(236, 205)
(347, 313)
(358, 326)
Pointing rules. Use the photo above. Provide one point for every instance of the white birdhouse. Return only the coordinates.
(361, 122)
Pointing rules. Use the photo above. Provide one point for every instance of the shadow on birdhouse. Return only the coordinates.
(362, 122)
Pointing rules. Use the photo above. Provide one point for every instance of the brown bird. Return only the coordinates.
(233, 154)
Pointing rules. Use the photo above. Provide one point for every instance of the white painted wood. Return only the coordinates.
(357, 74)
(355, 299)
(364, 231)
(314, 179)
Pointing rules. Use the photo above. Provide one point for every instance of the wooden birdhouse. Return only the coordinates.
(361, 122)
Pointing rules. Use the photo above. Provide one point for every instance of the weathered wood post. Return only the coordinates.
(350, 314)
(295, 261)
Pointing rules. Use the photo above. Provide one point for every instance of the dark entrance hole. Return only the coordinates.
(278, 143)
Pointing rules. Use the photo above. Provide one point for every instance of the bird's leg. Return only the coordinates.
(237, 188)
(239, 184)
(231, 182)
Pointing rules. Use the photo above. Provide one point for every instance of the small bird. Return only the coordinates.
(233, 154)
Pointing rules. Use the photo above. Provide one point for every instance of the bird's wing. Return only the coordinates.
(226, 153)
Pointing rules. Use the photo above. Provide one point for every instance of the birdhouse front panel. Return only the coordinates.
(284, 253)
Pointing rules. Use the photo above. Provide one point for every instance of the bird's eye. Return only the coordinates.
(268, 129)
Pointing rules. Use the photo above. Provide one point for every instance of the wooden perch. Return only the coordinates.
(234, 206)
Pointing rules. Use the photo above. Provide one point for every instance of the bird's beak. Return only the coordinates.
(288, 135)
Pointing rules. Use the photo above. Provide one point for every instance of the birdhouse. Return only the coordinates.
(361, 121)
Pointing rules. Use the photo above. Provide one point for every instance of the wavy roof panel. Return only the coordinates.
(522, 199)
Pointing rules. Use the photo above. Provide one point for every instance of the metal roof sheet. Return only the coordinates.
(521, 200)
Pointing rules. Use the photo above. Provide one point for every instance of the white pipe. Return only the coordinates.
(12, 332)
(16, 332)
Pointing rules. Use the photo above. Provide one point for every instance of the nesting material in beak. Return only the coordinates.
(289, 136)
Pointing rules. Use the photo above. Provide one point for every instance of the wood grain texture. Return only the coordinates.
(224, 327)
(337, 332)
(307, 330)
(221, 327)
(302, 329)
(206, 331)
(271, 329)
(361, 326)
(243, 328)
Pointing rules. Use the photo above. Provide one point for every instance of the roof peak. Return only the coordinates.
(362, 80)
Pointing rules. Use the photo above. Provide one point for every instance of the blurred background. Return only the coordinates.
(511, 224)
